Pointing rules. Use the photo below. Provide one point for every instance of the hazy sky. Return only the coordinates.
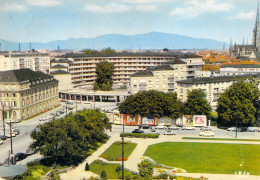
(47, 20)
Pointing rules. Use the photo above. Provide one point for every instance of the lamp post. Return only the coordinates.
(236, 127)
(10, 123)
(123, 150)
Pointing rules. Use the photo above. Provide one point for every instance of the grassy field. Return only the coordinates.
(219, 139)
(207, 157)
(115, 151)
(98, 166)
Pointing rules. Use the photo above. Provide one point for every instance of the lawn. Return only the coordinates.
(219, 139)
(114, 152)
(207, 157)
(98, 166)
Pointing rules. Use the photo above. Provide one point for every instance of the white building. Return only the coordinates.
(238, 69)
(20, 60)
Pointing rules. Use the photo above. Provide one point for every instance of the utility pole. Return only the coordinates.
(236, 127)
(123, 176)
(10, 123)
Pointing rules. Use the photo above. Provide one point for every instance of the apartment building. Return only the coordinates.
(25, 93)
(238, 69)
(162, 78)
(82, 67)
(212, 86)
(194, 67)
(19, 60)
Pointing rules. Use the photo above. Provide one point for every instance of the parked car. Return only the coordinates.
(205, 128)
(152, 130)
(3, 137)
(1, 141)
(252, 129)
(16, 131)
(70, 102)
(137, 131)
(10, 134)
(70, 108)
(234, 129)
(188, 128)
(173, 127)
(169, 132)
(207, 133)
(19, 156)
(160, 127)
(144, 126)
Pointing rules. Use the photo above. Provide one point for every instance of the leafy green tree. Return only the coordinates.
(197, 104)
(90, 51)
(108, 51)
(106, 87)
(103, 175)
(95, 86)
(152, 103)
(69, 140)
(104, 71)
(146, 168)
(240, 103)
(54, 174)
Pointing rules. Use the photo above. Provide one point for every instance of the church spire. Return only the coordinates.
(256, 26)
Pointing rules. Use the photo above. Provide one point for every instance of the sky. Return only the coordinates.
(49, 20)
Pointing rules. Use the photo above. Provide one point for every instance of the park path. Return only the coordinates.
(79, 172)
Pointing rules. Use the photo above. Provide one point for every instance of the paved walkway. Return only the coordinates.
(79, 173)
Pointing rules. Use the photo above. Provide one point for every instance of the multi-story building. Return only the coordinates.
(238, 69)
(19, 60)
(212, 86)
(161, 78)
(194, 67)
(83, 66)
(25, 93)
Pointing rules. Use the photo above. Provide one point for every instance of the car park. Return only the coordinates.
(252, 129)
(207, 133)
(173, 127)
(137, 131)
(205, 128)
(160, 127)
(169, 132)
(188, 128)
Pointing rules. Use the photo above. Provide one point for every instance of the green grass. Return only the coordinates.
(221, 139)
(115, 151)
(98, 166)
(207, 157)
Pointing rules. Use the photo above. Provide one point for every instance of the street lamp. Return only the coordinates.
(10, 123)
(3, 115)
(123, 150)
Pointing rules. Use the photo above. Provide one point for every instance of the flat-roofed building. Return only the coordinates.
(238, 69)
(83, 66)
(211, 86)
(25, 93)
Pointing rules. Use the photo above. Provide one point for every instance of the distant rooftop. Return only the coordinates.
(58, 66)
(142, 74)
(160, 68)
(61, 61)
(240, 65)
(175, 61)
(59, 72)
(217, 79)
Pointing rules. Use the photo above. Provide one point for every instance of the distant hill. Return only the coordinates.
(152, 40)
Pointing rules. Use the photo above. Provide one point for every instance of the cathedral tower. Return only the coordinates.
(256, 31)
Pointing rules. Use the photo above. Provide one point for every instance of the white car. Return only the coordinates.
(173, 127)
(207, 133)
(188, 128)
(10, 134)
(160, 127)
(169, 132)
(1, 141)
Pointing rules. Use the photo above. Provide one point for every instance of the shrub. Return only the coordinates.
(146, 168)
(103, 175)
(137, 135)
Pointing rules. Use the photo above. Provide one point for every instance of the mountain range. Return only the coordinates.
(152, 40)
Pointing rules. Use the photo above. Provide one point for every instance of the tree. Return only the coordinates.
(54, 174)
(152, 103)
(104, 71)
(90, 51)
(70, 139)
(146, 168)
(95, 86)
(240, 103)
(197, 104)
(103, 175)
(108, 51)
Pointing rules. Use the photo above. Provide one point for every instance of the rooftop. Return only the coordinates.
(142, 74)
(59, 72)
(58, 66)
(240, 65)
(161, 68)
(217, 79)
(175, 61)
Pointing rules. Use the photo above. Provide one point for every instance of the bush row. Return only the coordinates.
(138, 135)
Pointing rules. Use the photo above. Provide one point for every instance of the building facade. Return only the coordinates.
(83, 66)
(19, 60)
(211, 86)
(238, 69)
(25, 93)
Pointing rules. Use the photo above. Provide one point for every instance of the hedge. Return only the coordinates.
(139, 135)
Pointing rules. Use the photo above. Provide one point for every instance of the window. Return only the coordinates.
(14, 95)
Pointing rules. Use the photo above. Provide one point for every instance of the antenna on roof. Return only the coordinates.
(243, 43)
(58, 47)
(30, 46)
